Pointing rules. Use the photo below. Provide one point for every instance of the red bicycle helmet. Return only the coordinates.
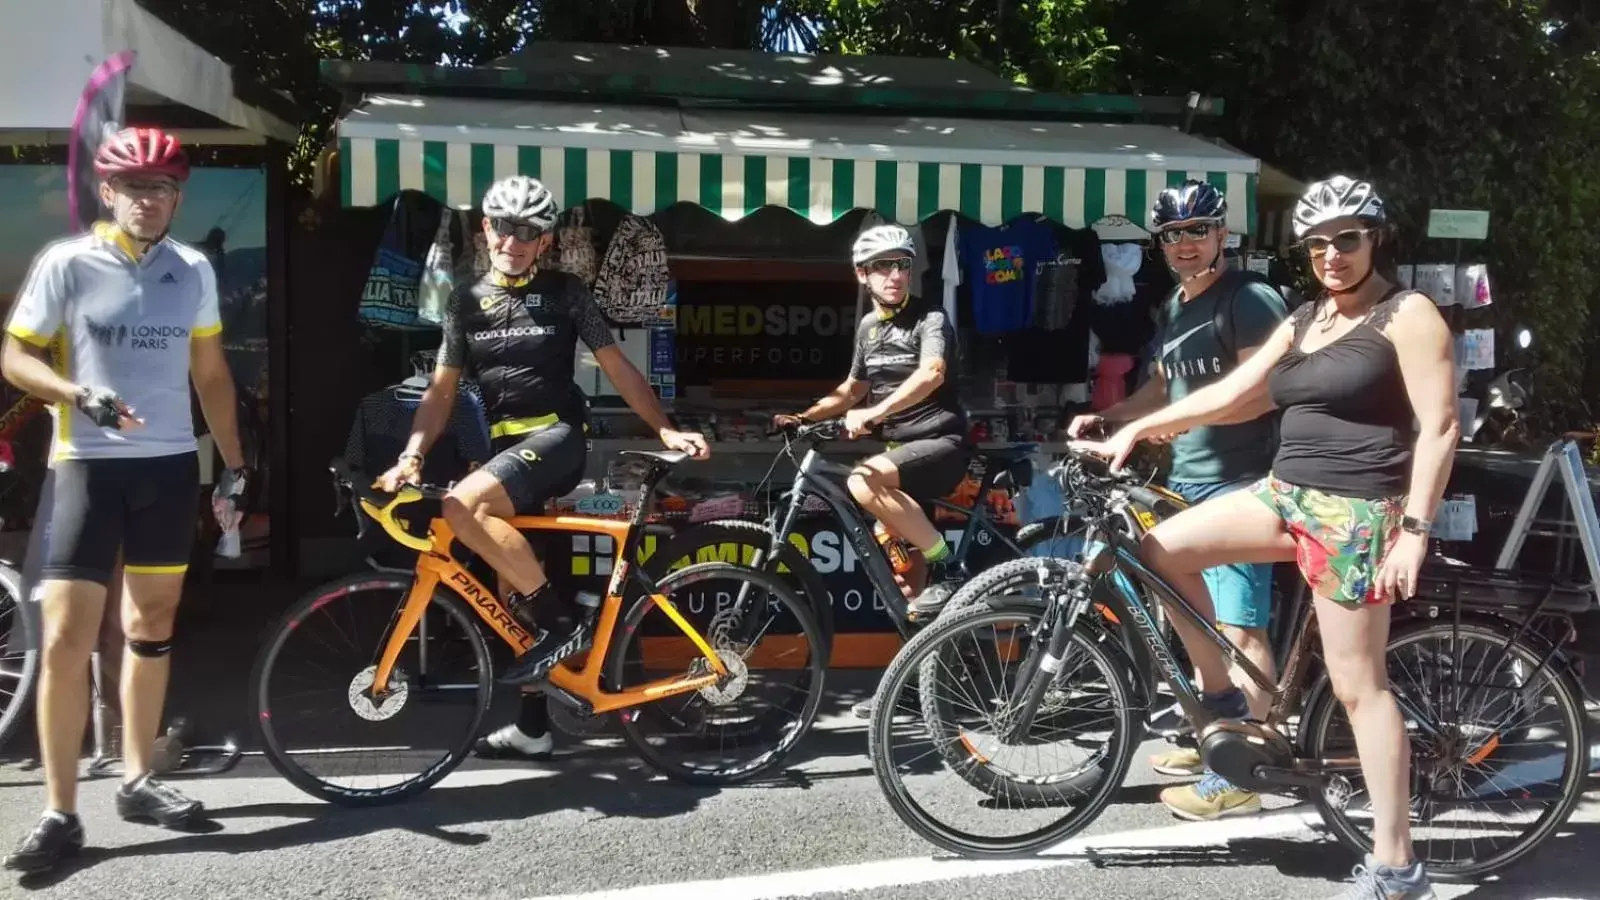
(142, 151)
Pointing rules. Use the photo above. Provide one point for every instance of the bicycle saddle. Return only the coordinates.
(664, 457)
(1002, 456)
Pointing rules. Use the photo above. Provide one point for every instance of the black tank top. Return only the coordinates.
(1347, 425)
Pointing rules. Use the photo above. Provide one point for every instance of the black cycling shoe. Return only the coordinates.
(149, 800)
(932, 601)
(54, 839)
(549, 648)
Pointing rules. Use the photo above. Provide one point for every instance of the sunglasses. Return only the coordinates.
(1344, 242)
(522, 231)
(1193, 232)
(158, 189)
(885, 266)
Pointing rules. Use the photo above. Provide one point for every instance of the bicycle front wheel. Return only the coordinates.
(1498, 758)
(323, 726)
(1071, 759)
(746, 723)
(20, 635)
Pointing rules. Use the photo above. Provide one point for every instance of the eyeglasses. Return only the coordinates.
(522, 231)
(140, 189)
(1197, 232)
(1345, 242)
(885, 266)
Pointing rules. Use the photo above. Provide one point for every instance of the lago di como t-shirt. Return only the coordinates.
(1001, 266)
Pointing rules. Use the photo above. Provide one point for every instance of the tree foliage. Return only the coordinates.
(1478, 104)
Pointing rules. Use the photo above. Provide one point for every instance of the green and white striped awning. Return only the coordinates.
(647, 159)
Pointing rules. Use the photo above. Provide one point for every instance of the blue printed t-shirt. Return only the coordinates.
(1001, 264)
(1199, 346)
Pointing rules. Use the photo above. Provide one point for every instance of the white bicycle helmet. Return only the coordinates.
(879, 240)
(522, 199)
(1336, 198)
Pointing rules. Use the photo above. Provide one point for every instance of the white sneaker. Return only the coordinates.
(510, 743)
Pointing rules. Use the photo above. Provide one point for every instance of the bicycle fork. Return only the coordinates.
(1040, 668)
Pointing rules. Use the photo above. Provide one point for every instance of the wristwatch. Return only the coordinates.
(1416, 525)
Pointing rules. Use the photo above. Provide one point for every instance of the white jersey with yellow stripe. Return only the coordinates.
(125, 322)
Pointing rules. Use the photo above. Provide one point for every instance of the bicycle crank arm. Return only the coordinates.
(568, 699)
(1291, 777)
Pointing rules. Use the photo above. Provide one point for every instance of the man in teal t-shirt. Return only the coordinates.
(1213, 322)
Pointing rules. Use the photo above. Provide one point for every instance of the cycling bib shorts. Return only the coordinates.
(932, 467)
(537, 467)
(147, 506)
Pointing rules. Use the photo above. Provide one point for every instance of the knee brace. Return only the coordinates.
(150, 649)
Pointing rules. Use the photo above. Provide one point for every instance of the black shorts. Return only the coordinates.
(930, 468)
(537, 467)
(146, 507)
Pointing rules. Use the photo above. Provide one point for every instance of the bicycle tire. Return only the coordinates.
(261, 678)
(740, 532)
(992, 582)
(634, 722)
(907, 665)
(1321, 706)
(12, 718)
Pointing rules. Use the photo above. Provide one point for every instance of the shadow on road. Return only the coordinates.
(609, 791)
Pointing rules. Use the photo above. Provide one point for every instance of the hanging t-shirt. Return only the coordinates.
(1000, 269)
(1067, 279)
(389, 299)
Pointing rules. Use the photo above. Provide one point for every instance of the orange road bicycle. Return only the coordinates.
(372, 688)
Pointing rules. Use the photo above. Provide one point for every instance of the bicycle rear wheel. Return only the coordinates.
(20, 635)
(1501, 762)
(746, 724)
(310, 690)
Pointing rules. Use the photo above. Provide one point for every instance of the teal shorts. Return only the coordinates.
(1240, 593)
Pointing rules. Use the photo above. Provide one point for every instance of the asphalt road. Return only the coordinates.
(595, 824)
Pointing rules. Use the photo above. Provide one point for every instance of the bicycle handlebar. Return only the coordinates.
(819, 432)
(382, 506)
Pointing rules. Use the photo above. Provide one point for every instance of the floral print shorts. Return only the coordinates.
(1339, 541)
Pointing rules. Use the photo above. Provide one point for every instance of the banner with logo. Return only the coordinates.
(794, 331)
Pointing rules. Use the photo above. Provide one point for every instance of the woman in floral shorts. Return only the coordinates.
(1365, 378)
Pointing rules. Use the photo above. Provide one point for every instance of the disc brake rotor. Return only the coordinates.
(732, 686)
(388, 705)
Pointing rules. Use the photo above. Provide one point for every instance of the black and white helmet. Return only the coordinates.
(522, 199)
(880, 240)
(1190, 202)
(1336, 198)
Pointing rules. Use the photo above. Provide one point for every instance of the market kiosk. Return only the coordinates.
(714, 231)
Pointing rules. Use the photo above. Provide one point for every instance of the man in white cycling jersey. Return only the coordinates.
(138, 318)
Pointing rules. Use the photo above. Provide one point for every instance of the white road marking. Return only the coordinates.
(924, 870)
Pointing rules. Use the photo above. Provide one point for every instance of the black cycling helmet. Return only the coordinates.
(1193, 200)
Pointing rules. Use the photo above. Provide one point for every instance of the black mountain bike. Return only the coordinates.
(767, 546)
(1492, 709)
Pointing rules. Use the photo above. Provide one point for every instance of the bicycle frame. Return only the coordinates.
(819, 477)
(437, 567)
(1117, 551)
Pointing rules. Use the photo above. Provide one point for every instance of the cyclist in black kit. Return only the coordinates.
(517, 330)
(899, 384)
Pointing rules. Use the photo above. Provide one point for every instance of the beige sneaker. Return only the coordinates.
(1210, 798)
(1178, 761)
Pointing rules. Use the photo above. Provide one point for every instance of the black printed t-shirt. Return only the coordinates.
(889, 350)
(519, 340)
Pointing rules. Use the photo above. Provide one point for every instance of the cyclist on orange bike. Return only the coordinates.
(516, 330)
(138, 312)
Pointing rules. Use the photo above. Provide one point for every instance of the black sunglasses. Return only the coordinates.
(1348, 241)
(885, 266)
(522, 231)
(1197, 232)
